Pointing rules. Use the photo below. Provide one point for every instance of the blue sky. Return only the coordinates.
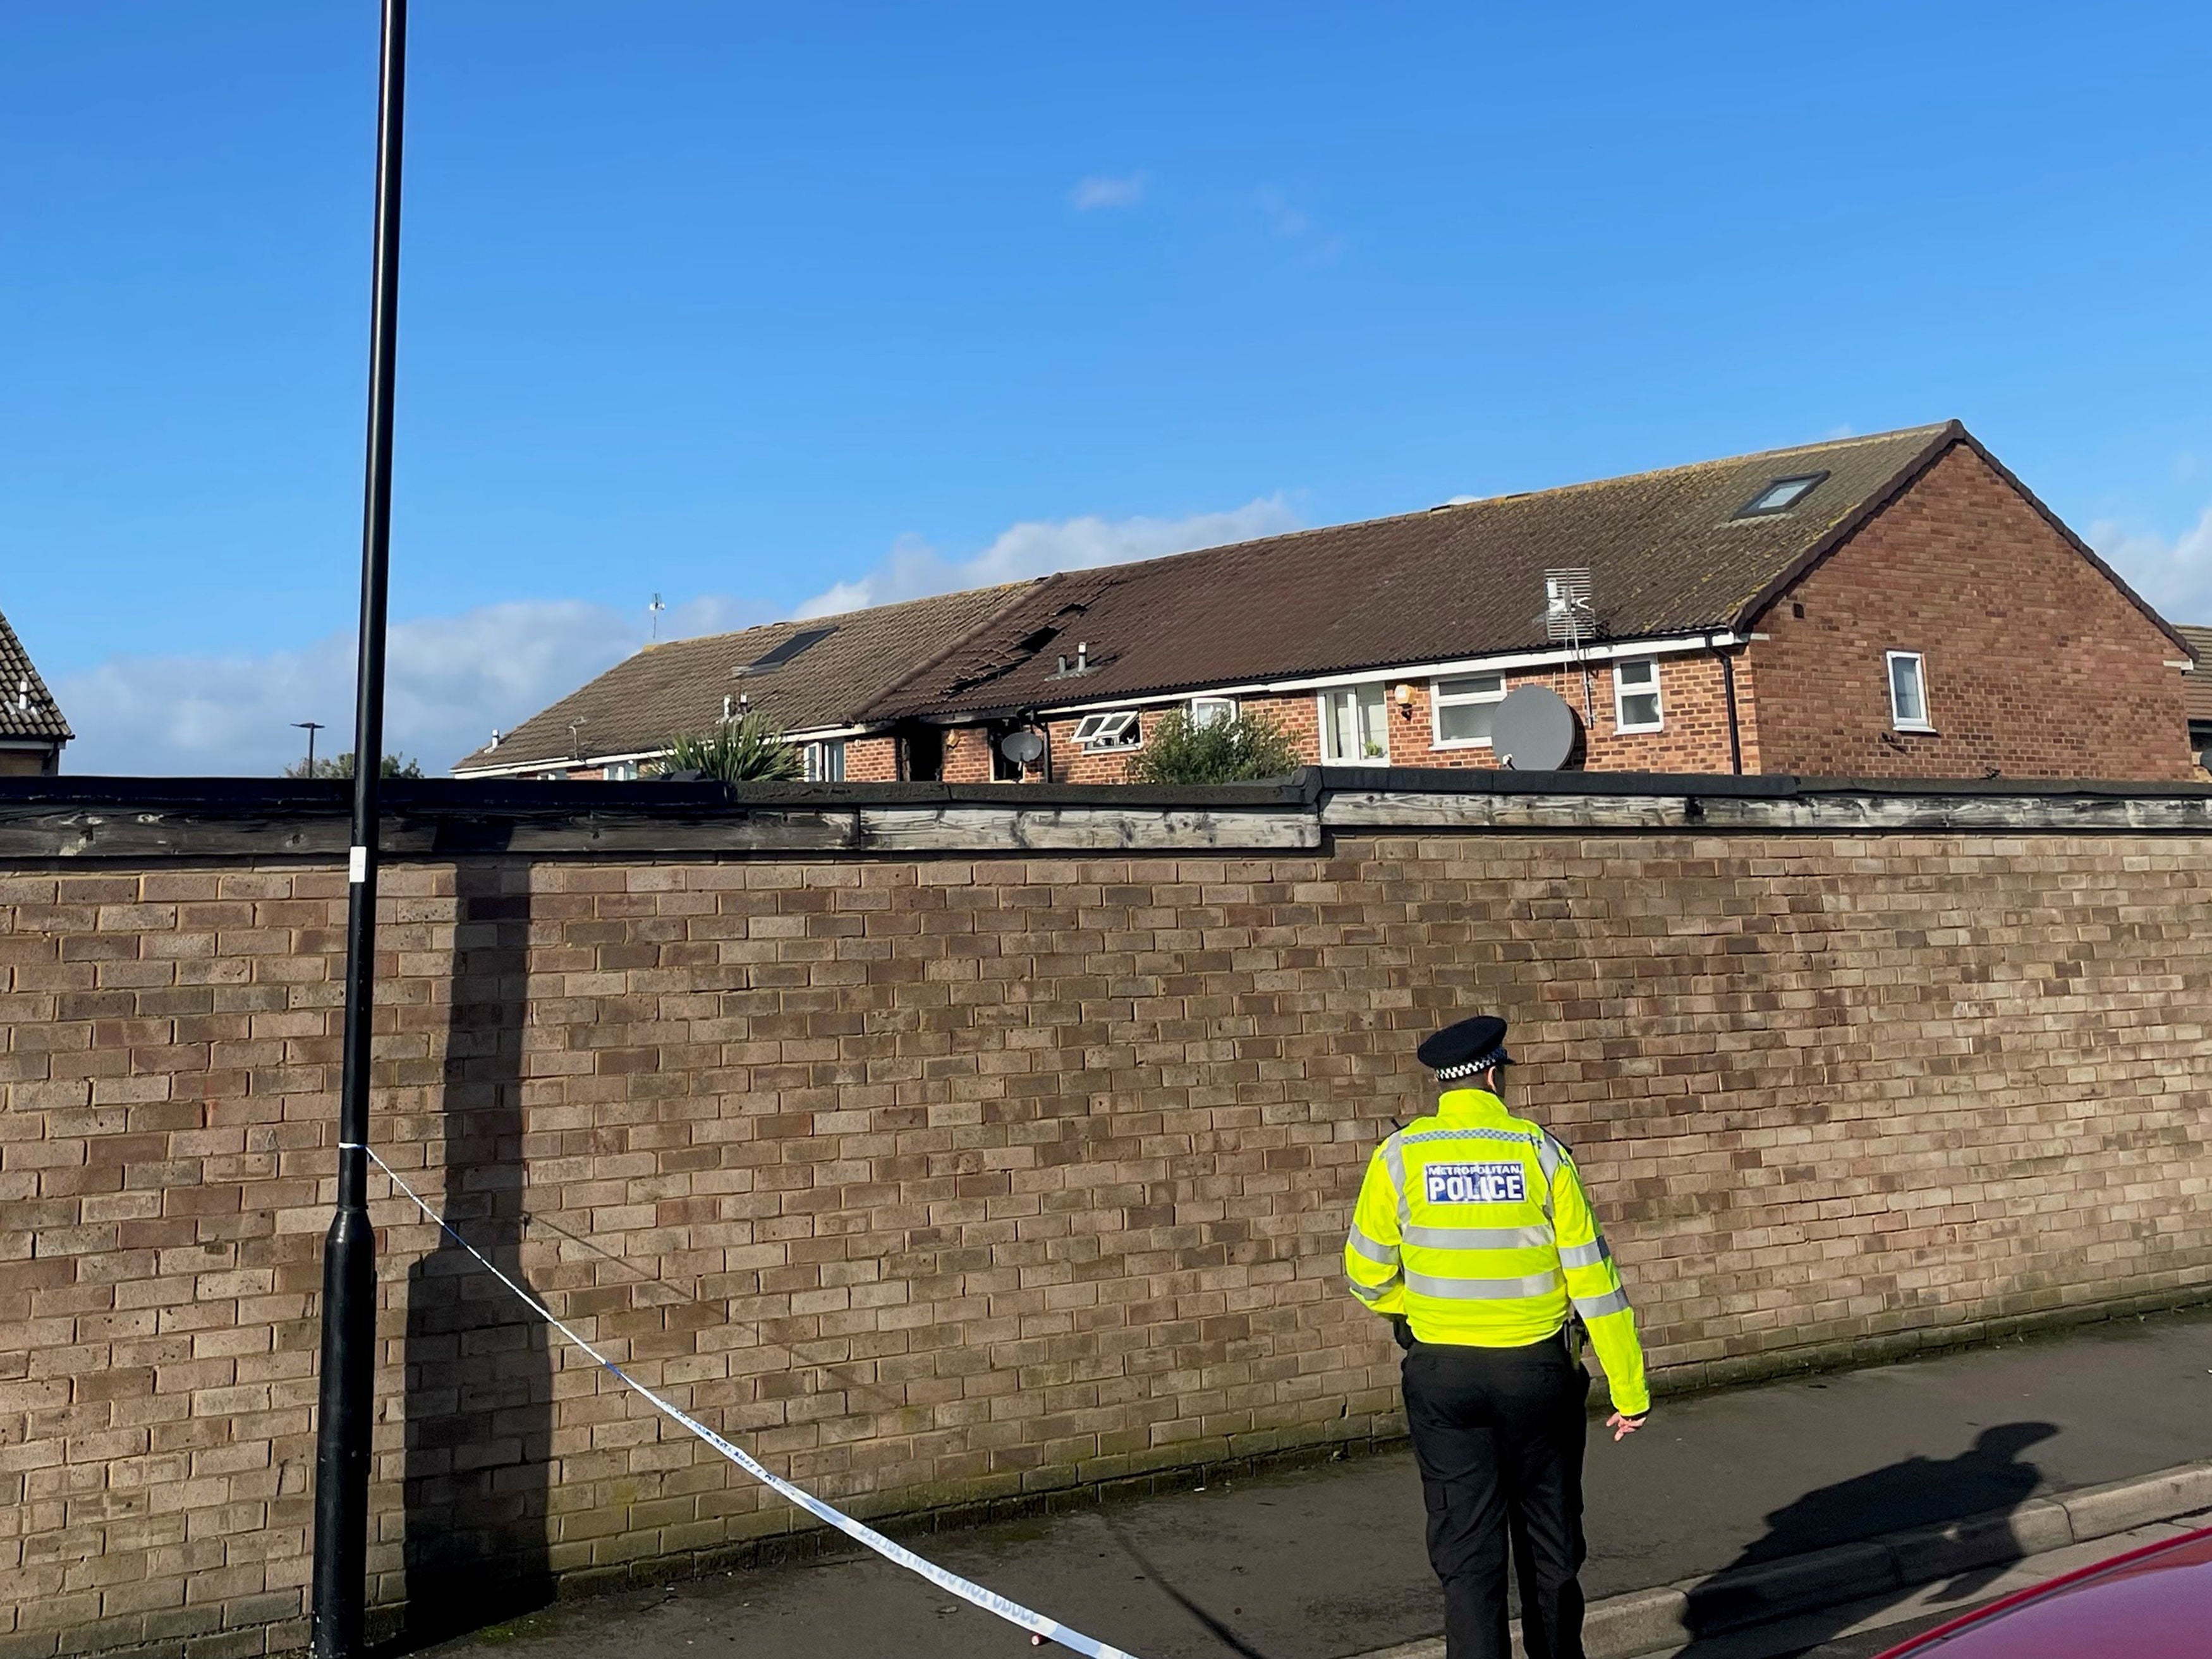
(763, 309)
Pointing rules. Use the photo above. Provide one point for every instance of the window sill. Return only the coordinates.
(1916, 731)
(1638, 731)
(1461, 743)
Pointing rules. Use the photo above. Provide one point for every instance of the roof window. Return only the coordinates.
(784, 650)
(1781, 495)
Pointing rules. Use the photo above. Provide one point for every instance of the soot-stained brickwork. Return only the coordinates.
(939, 1179)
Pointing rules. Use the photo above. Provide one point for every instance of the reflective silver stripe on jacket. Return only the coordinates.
(1368, 1292)
(1483, 1290)
(1481, 1238)
(1551, 1155)
(1394, 1161)
(1471, 1132)
(1386, 1254)
(1584, 1255)
(1596, 1307)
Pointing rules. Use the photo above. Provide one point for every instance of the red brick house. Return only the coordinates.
(1892, 605)
(32, 729)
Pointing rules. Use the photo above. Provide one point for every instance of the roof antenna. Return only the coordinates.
(654, 610)
(1570, 618)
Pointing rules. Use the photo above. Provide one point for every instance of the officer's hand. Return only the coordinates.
(1622, 1427)
(1401, 1329)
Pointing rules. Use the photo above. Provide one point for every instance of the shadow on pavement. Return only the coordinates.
(1918, 1491)
(1214, 1626)
(479, 1374)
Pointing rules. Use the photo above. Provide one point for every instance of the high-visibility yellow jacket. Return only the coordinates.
(1473, 1224)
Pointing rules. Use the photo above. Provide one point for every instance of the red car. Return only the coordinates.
(2155, 1603)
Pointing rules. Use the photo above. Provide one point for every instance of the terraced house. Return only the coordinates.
(1892, 605)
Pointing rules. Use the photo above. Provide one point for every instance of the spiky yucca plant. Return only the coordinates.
(750, 748)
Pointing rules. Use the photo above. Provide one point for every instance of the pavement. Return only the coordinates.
(1327, 1561)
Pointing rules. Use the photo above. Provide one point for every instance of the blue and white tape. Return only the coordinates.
(1048, 1630)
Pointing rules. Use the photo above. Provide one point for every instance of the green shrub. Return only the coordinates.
(750, 749)
(1177, 750)
(341, 766)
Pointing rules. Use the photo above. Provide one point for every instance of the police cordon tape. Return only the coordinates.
(1040, 1627)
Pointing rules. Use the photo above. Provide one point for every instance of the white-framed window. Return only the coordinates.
(1908, 691)
(1460, 710)
(1109, 733)
(1213, 711)
(1636, 696)
(620, 772)
(825, 761)
(1354, 731)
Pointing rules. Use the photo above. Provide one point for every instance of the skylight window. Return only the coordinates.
(784, 650)
(1781, 495)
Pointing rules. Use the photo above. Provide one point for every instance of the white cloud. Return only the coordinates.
(915, 568)
(2175, 576)
(448, 681)
(1103, 191)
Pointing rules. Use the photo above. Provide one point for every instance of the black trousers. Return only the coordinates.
(1498, 1434)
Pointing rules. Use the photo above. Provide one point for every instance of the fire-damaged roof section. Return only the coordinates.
(804, 676)
(28, 709)
(1675, 552)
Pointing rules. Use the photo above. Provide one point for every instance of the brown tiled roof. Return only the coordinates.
(28, 709)
(2197, 688)
(635, 706)
(1669, 554)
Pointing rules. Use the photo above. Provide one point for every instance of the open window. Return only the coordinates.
(1110, 732)
(825, 761)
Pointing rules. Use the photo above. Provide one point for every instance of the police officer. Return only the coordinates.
(1473, 1236)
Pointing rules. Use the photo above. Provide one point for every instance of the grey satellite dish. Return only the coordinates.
(1534, 730)
(1022, 747)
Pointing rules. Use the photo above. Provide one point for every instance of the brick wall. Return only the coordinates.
(936, 1179)
(2036, 665)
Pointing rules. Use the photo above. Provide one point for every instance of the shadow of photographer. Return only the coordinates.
(1988, 1479)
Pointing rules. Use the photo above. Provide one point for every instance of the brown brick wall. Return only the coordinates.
(939, 1178)
(2036, 665)
(870, 760)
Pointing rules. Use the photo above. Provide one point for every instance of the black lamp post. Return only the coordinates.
(349, 1307)
(310, 728)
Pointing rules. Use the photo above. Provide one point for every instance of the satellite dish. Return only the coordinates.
(1022, 747)
(1534, 730)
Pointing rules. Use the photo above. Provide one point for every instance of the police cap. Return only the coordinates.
(1466, 1048)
